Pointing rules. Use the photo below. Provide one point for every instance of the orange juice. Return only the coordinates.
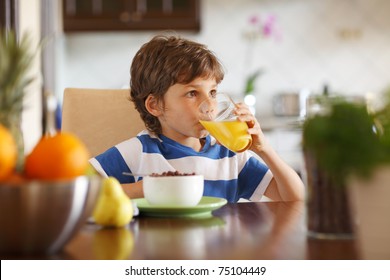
(233, 134)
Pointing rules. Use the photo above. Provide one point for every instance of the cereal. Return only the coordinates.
(171, 173)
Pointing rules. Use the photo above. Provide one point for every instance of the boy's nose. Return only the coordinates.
(207, 109)
(207, 106)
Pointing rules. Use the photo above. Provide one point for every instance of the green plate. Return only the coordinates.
(204, 208)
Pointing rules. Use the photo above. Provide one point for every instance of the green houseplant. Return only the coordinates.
(348, 139)
(343, 143)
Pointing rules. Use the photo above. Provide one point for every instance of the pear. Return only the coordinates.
(114, 207)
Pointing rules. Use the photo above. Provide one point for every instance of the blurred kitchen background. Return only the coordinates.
(301, 47)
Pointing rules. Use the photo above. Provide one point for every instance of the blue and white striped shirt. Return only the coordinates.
(227, 174)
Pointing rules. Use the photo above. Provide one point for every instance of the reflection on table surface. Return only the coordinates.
(262, 230)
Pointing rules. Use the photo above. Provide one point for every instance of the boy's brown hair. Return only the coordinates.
(163, 62)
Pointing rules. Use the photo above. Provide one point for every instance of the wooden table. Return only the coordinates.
(263, 230)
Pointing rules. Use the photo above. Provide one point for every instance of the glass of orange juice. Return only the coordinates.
(218, 118)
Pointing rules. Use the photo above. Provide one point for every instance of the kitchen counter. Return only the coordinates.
(270, 123)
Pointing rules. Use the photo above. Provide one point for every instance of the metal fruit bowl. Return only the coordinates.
(42, 216)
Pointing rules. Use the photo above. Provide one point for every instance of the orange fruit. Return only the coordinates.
(15, 179)
(62, 156)
(8, 153)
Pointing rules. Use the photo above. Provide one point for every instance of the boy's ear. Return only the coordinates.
(153, 105)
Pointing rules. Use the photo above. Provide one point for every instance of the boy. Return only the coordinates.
(170, 76)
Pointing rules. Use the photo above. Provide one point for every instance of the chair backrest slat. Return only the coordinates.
(101, 118)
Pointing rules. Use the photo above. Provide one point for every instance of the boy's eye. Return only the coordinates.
(191, 93)
(213, 93)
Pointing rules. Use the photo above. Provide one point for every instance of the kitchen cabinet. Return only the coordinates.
(122, 15)
(287, 143)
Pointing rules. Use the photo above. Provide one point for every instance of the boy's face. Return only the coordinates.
(180, 117)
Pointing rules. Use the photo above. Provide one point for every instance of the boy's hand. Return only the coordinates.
(258, 139)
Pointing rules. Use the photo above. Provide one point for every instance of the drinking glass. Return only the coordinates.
(218, 118)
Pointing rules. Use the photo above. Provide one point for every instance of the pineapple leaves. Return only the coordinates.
(15, 61)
